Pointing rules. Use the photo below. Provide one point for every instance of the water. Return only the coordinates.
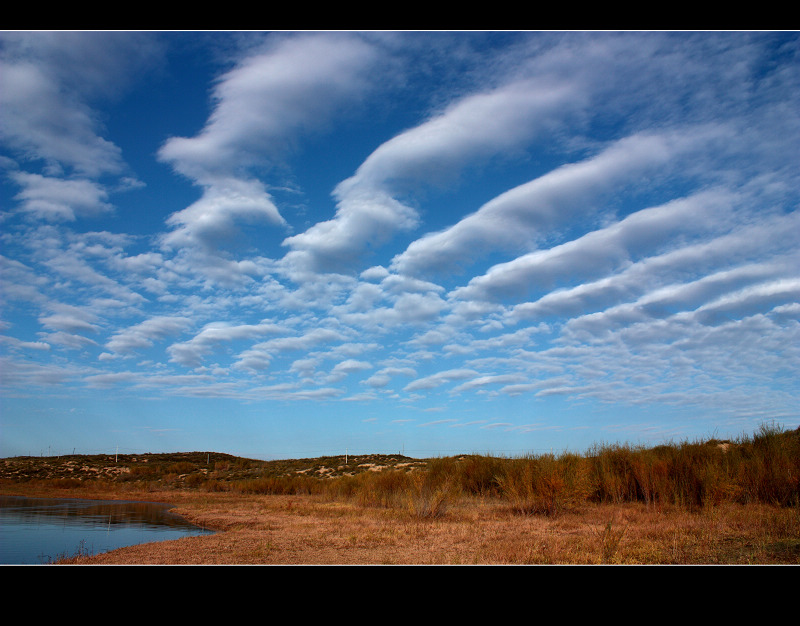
(42, 530)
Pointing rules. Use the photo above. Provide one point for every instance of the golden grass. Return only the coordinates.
(690, 503)
(312, 529)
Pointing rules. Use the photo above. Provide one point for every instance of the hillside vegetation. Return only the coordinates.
(763, 468)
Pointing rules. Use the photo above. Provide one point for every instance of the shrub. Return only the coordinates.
(767, 466)
(479, 475)
(545, 484)
(382, 489)
(276, 485)
(65, 483)
(428, 495)
(181, 467)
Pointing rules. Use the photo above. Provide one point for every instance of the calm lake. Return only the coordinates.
(40, 530)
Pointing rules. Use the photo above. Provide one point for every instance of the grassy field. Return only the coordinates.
(709, 502)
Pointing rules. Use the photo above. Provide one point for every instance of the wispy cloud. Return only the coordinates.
(487, 225)
(369, 206)
(262, 108)
(525, 216)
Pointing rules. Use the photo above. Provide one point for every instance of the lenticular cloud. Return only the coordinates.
(556, 232)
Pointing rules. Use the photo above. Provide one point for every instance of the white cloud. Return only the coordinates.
(24, 345)
(69, 340)
(750, 300)
(523, 338)
(70, 319)
(605, 250)
(143, 335)
(484, 381)
(345, 368)
(49, 82)
(521, 217)
(58, 199)
(351, 365)
(766, 247)
(19, 374)
(440, 378)
(191, 353)
(474, 129)
(384, 376)
(42, 124)
(271, 97)
(302, 342)
(650, 258)
(213, 219)
(261, 107)
(21, 283)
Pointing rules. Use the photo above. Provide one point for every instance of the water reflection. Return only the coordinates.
(41, 530)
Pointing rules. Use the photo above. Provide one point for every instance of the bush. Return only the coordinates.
(181, 467)
(276, 485)
(428, 495)
(767, 467)
(546, 484)
(382, 489)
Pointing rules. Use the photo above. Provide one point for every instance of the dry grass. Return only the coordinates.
(311, 529)
(689, 503)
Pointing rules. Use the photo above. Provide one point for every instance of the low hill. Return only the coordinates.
(189, 467)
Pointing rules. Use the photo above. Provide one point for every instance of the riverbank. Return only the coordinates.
(313, 530)
(710, 502)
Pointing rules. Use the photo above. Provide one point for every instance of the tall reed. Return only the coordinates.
(546, 484)
(767, 467)
(763, 468)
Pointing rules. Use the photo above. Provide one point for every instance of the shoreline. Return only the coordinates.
(313, 530)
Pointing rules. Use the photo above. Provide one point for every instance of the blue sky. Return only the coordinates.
(290, 244)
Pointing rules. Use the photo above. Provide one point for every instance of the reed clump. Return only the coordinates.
(428, 496)
(275, 485)
(764, 468)
(546, 485)
(760, 469)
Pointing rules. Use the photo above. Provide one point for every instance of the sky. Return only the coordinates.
(300, 243)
